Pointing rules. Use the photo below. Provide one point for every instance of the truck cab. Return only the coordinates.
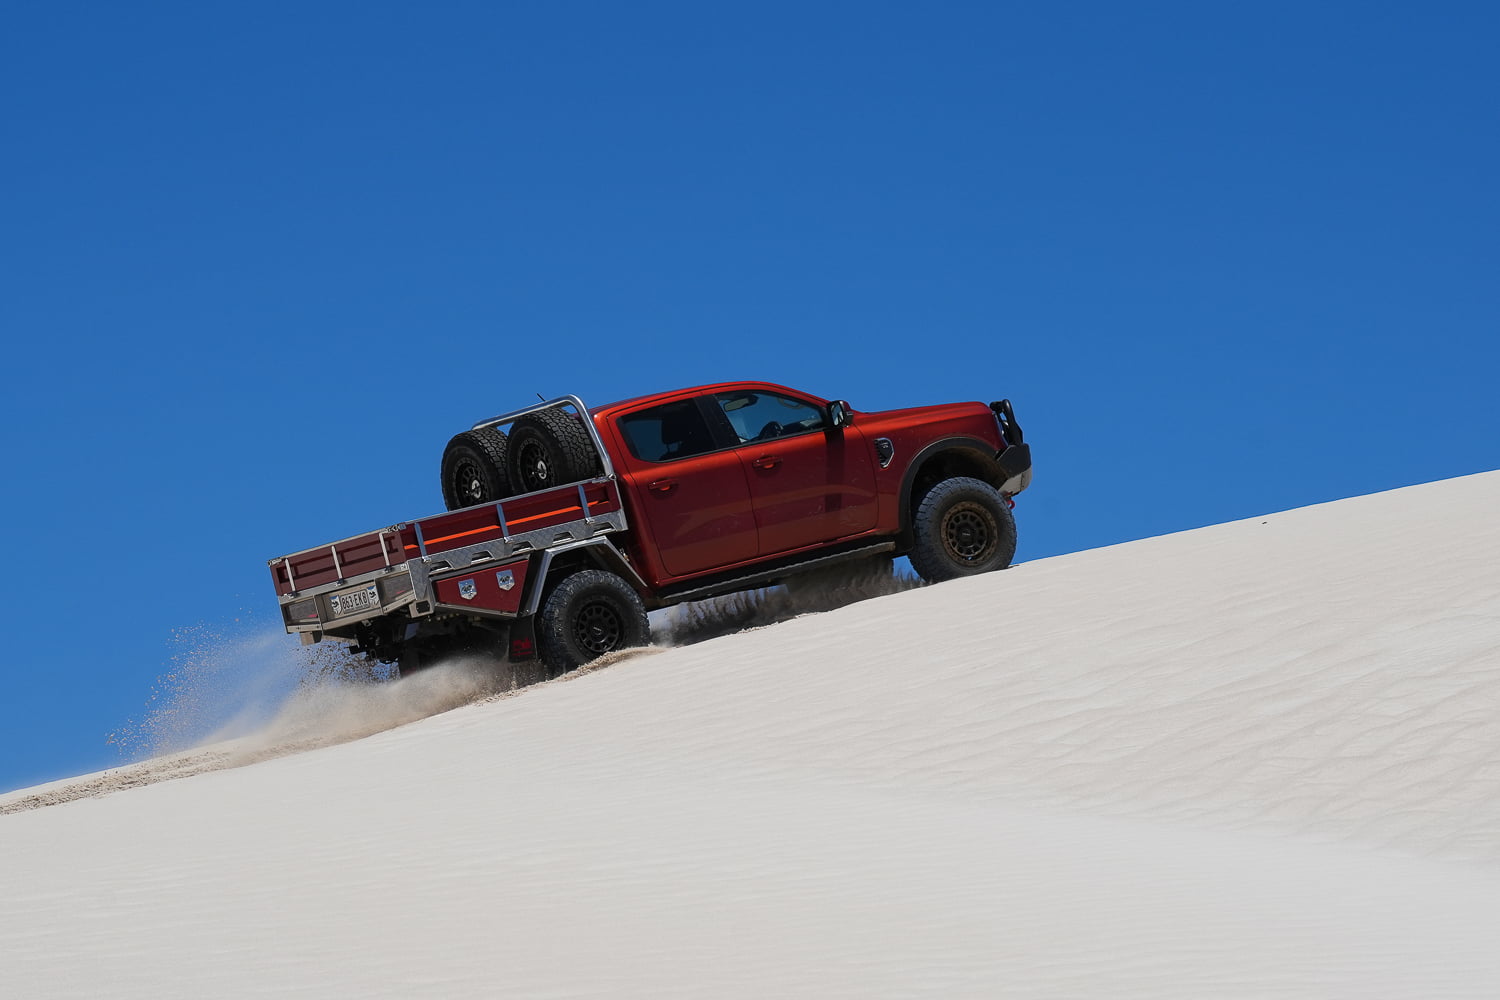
(728, 475)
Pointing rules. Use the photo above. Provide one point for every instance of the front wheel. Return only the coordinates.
(588, 614)
(963, 526)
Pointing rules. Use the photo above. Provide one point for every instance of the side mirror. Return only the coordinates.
(838, 413)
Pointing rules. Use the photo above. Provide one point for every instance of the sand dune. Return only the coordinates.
(1253, 760)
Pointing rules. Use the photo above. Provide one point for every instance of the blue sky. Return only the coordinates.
(259, 261)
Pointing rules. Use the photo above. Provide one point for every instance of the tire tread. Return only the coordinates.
(489, 445)
(570, 451)
(555, 645)
(928, 554)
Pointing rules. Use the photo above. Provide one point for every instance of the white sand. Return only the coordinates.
(1255, 760)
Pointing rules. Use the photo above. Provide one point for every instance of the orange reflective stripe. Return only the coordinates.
(495, 527)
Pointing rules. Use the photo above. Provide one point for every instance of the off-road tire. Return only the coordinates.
(962, 527)
(588, 614)
(549, 448)
(474, 469)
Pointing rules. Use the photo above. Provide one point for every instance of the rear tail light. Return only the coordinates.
(301, 612)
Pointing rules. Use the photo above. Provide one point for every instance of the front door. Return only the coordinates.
(810, 483)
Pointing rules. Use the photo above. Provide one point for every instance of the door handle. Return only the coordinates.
(662, 486)
(766, 462)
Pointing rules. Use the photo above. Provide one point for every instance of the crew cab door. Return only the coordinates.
(809, 482)
(695, 499)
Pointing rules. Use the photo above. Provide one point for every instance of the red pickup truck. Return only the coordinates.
(567, 524)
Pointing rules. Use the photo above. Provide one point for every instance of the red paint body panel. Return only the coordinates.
(702, 524)
(356, 556)
(696, 512)
(488, 594)
(812, 488)
(911, 430)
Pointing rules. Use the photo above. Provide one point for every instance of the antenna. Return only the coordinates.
(541, 397)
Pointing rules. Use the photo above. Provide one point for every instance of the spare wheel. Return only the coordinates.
(549, 448)
(474, 468)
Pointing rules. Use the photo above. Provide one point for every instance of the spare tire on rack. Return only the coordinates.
(549, 448)
(474, 468)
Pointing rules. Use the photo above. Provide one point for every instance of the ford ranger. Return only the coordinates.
(567, 524)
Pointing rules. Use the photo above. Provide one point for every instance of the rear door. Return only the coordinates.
(809, 482)
(692, 486)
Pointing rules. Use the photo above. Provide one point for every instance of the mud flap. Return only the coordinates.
(523, 639)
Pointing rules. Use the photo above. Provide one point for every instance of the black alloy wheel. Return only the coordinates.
(548, 448)
(468, 482)
(598, 627)
(474, 468)
(532, 466)
(589, 613)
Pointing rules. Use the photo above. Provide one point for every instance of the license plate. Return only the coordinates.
(351, 601)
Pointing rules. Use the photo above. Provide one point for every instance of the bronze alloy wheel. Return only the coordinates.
(962, 526)
(970, 533)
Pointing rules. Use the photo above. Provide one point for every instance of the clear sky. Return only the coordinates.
(259, 261)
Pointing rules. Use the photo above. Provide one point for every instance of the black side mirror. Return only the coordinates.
(838, 413)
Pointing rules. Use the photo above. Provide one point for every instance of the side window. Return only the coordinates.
(667, 432)
(760, 416)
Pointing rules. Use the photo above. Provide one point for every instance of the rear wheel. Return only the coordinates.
(588, 614)
(474, 468)
(963, 526)
(549, 448)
